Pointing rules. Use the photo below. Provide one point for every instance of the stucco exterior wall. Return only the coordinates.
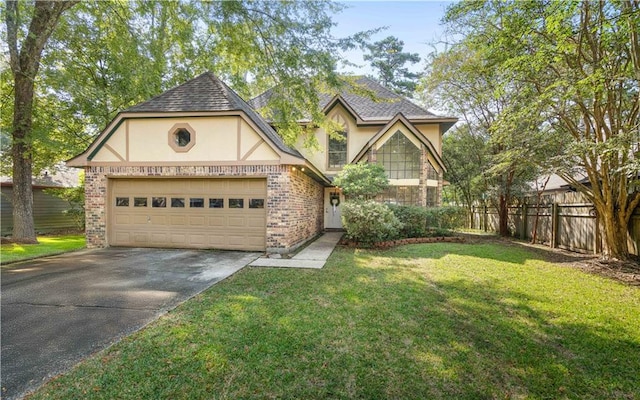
(294, 200)
(223, 138)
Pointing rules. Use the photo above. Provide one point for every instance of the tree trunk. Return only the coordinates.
(615, 226)
(25, 63)
(503, 215)
(23, 225)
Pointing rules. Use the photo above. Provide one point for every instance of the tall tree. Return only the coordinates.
(389, 62)
(461, 81)
(25, 52)
(583, 60)
(465, 156)
(109, 55)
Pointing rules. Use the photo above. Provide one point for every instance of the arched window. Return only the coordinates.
(400, 157)
(337, 145)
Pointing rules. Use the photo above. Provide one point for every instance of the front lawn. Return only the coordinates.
(425, 321)
(48, 245)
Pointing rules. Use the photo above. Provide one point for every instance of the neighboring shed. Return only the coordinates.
(48, 210)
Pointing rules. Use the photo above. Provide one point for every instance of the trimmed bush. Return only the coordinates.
(413, 219)
(425, 222)
(368, 222)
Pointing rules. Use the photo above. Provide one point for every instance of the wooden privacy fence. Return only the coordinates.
(565, 220)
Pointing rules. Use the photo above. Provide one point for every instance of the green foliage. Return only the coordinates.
(362, 180)
(413, 219)
(567, 76)
(388, 59)
(86, 75)
(465, 156)
(425, 222)
(448, 217)
(368, 222)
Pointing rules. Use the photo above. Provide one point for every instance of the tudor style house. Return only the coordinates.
(198, 167)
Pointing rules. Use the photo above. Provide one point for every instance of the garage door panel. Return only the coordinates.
(123, 219)
(236, 221)
(217, 222)
(197, 240)
(256, 222)
(159, 237)
(255, 241)
(196, 221)
(122, 237)
(158, 220)
(140, 238)
(137, 219)
(180, 225)
(178, 239)
(178, 220)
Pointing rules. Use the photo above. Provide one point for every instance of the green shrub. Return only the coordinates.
(413, 219)
(368, 222)
(426, 222)
(449, 217)
(362, 180)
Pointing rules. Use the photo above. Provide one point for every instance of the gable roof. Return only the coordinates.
(403, 120)
(379, 107)
(206, 93)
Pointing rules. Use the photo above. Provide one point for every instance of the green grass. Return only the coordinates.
(48, 245)
(433, 321)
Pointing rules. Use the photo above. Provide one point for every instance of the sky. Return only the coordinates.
(417, 23)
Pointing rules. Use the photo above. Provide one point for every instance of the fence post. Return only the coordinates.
(523, 233)
(554, 225)
(484, 219)
(472, 216)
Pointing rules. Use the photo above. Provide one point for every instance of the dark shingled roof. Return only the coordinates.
(208, 93)
(386, 105)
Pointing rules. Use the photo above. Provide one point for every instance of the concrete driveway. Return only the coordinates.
(58, 310)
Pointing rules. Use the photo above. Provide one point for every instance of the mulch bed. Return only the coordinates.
(393, 243)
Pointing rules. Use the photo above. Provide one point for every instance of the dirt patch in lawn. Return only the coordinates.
(623, 271)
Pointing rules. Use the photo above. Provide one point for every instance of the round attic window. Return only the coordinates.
(182, 137)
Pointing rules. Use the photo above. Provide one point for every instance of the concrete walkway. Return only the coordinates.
(313, 256)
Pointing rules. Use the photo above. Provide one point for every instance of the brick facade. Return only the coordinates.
(294, 200)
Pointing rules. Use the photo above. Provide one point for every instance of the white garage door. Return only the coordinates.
(188, 213)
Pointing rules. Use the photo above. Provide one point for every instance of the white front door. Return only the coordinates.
(332, 214)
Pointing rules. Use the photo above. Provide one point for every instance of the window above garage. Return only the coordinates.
(182, 137)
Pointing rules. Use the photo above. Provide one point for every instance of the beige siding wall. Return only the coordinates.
(224, 138)
(432, 132)
(359, 136)
(294, 200)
